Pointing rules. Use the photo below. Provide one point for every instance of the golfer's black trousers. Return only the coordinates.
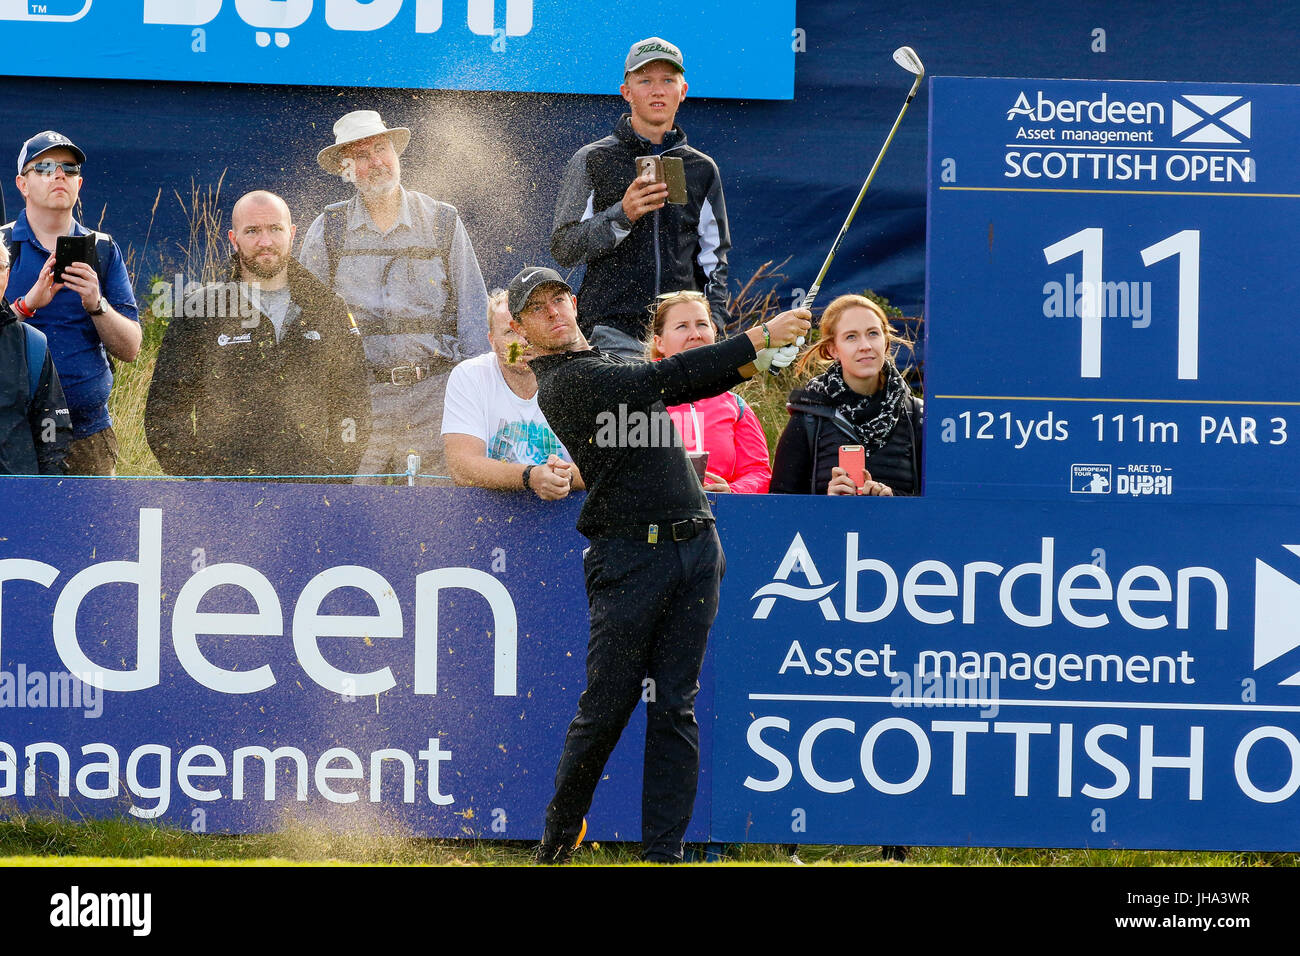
(651, 609)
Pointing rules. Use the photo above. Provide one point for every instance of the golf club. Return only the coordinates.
(905, 57)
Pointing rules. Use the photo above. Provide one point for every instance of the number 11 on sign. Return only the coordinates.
(1094, 293)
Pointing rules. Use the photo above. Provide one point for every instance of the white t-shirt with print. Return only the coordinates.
(481, 404)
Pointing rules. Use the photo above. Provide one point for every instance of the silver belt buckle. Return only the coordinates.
(415, 375)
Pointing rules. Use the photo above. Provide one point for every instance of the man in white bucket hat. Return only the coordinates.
(404, 263)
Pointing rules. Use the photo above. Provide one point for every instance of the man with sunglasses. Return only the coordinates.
(89, 313)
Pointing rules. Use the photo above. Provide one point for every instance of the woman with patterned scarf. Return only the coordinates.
(860, 399)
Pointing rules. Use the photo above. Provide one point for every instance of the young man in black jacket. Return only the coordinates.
(263, 374)
(634, 243)
(35, 427)
(655, 563)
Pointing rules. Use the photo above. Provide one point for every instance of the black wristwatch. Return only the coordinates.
(528, 470)
(99, 308)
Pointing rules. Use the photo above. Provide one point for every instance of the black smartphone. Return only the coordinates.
(70, 249)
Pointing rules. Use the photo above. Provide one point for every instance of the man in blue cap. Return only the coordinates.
(89, 313)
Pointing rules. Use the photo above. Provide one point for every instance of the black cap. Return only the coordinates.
(528, 279)
(43, 143)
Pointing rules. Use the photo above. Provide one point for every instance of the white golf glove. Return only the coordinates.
(784, 356)
(774, 360)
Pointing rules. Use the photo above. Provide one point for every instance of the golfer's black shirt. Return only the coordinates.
(612, 415)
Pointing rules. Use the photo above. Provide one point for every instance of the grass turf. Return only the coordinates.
(50, 840)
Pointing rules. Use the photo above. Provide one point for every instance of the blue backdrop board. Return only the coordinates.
(1121, 675)
(407, 659)
(1096, 252)
(477, 45)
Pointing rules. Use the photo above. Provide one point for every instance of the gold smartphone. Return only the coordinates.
(665, 169)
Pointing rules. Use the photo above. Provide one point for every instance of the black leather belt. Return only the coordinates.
(682, 530)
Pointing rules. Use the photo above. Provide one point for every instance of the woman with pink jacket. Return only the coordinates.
(724, 426)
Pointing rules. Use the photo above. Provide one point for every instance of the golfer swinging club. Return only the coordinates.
(655, 563)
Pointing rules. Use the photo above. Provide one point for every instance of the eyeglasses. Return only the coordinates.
(46, 168)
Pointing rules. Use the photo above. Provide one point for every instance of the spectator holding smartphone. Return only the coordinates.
(87, 313)
(724, 426)
(858, 399)
(618, 221)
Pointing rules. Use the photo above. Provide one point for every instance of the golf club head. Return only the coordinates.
(906, 57)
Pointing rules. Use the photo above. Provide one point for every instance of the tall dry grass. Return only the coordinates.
(202, 258)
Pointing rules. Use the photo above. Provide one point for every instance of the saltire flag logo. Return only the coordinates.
(1203, 118)
(1277, 617)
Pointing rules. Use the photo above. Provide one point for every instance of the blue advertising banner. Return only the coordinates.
(1107, 291)
(236, 658)
(544, 46)
(1120, 675)
(242, 657)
